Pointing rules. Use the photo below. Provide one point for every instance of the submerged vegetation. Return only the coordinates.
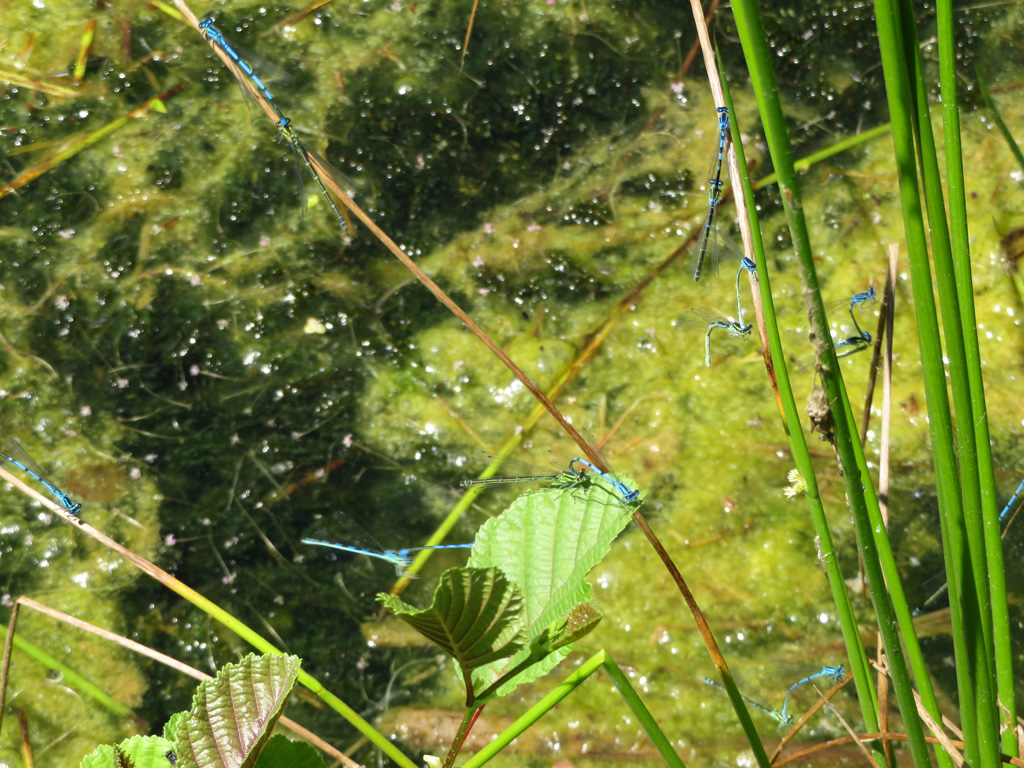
(199, 355)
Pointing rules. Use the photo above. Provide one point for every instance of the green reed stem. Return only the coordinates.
(996, 116)
(825, 153)
(642, 714)
(904, 616)
(967, 516)
(563, 689)
(759, 60)
(995, 576)
(977, 611)
(968, 634)
(68, 675)
(802, 457)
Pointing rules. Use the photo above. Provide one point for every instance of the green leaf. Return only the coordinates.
(282, 752)
(581, 621)
(171, 726)
(534, 557)
(474, 616)
(233, 714)
(136, 752)
(546, 543)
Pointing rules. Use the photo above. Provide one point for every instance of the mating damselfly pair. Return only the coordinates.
(828, 673)
(711, 319)
(713, 247)
(862, 339)
(244, 65)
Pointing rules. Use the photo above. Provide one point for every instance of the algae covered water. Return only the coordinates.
(198, 356)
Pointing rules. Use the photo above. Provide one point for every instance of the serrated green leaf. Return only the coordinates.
(546, 543)
(136, 752)
(232, 715)
(282, 752)
(474, 616)
(171, 726)
(101, 757)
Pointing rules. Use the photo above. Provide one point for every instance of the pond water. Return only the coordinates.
(213, 371)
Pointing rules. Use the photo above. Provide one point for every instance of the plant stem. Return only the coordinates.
(996, 576)
(468, 718)
(643, 715)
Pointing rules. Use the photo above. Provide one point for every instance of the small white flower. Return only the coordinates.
(798, 485)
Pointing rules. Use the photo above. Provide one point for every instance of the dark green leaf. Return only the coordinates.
(474, 616)
(282, 752)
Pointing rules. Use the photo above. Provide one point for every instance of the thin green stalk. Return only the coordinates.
(739, 705)
(215, 612)
(898, 91)
(563, 689)
(713, 650)
(460, 737)
(976, 610)
(537, 711)
(892, 580)
(69, 676)
(257, 641)
(964, 437)
(643, 715)
(823, 154)
(996, 116)
(802, 458)
(759, 60)
(996, 576)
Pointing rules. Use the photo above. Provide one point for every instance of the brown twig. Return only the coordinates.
(849, 729)
(882, 331)
(887, 315)
(456, 310)
(684, 68)
(469, 31)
